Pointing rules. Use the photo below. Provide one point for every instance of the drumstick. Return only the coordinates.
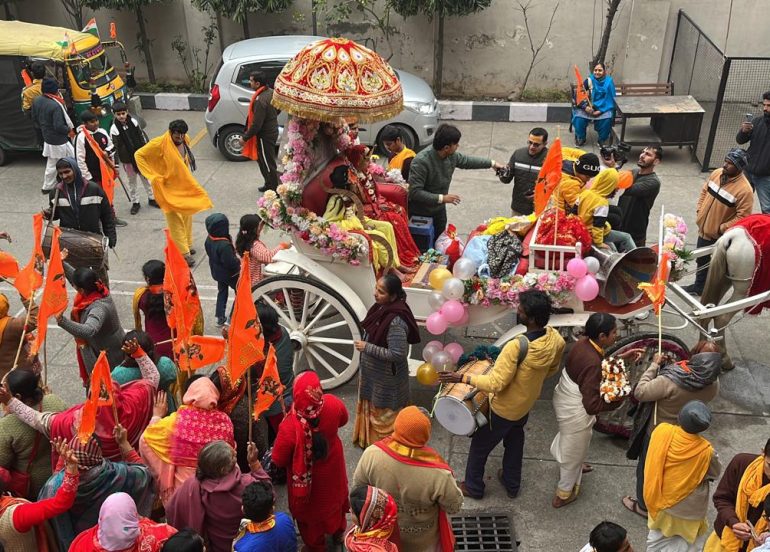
(435, 398)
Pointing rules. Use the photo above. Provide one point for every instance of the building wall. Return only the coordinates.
(485, 54)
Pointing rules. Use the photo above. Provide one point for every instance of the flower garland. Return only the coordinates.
(505, 291)
(674, 236)
(614, 385)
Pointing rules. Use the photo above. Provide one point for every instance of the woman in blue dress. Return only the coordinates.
(600, 108)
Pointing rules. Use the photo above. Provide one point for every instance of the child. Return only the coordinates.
(128, 137)
(223, 261)
(149, 301)
(263, 530)
(248, 240)
(608, 537)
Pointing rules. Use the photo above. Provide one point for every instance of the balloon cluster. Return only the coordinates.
(438, 358)
(448, 290)
(583, 270)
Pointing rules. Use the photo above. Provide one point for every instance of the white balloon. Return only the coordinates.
(436, 300)
(453, 288)
(593, 264)
(442, 361)
(430, 350)
(464, 268)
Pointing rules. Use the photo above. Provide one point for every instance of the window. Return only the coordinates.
(269, 68)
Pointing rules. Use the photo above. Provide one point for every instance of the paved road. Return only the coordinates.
(741, 420)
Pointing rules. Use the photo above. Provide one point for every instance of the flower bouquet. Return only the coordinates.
(484, 291)
(614, 385)
(674, 235)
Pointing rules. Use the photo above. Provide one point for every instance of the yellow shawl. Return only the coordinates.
(174, 186)
(397, 161)
(676, 464)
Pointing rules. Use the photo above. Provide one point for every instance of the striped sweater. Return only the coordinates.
(722, 204)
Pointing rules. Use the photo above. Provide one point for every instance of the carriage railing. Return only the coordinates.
(561, 254)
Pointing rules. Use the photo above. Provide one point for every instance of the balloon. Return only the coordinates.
(436, 300)
(430, 349)
(436, 323)
(442, 362)
(426, 374)
(453, 288)
(593, 265)
(455, 350)
(587, 288)
(452, 311)
(577, 268)
(464, 268)
(464, 320)
(437, 278)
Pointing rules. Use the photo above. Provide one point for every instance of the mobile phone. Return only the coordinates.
(749, 117)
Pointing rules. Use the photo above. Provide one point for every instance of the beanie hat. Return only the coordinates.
(412, 427)
(737, 157)
(695, 417)
(49, 86)
(588, 164)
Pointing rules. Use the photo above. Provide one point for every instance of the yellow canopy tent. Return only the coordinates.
(42, 41)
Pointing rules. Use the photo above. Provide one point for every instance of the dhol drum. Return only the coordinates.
(85, 249)
(462, 408)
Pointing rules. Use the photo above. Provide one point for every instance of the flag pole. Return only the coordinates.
(660, 259)
(251, 404)
(24, 331)
(45, 364)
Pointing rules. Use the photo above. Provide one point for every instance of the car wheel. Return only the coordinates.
(229, 143)
(407, 135)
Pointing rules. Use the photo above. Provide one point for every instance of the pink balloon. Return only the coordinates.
(464, 320)
(435, 343)
(455, 350)
(587, 288)
(577, 268)
(436, 323)
(452, 311)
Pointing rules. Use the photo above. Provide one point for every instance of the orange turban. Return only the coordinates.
(412, 427)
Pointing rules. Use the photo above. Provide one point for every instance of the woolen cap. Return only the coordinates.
(695, 417)
(49, 86)
(412, 427)
(737, 157)
(588, 164)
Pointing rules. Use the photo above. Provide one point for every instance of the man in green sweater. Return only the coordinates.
(431, 174)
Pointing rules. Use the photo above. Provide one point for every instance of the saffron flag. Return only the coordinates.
(91, 28)
(113, 31)
(198, 351)
(54, 299)
(270, 387)
(580, 91)
(30, 277)
(100, 395)
(549, 177)
(9, 266)
(245, 341)
(105, 166)
(656, 290)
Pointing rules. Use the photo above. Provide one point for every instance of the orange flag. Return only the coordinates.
(580, 91)
(113, 31)
(198, 351)
(9, 266)
(548, 177)
(181, 295)
(270, 387)
(105, 167)
(30, 277)
(101, 384)
(54, 299)
(656, 290)
(245, 342)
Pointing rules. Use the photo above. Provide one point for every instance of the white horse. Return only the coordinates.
(732, 266)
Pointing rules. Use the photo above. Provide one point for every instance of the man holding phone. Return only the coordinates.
(757, 131)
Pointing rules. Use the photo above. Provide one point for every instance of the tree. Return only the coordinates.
(438, 9)
(74, 10)
(524, 8)
(239, 10)
(375, 15)
(612, 11)
(136, 7)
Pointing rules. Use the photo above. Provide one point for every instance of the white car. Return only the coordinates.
(229, 96)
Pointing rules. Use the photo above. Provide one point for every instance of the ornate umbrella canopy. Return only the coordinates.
(335, 77)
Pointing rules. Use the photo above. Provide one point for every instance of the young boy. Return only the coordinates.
(128, 137)
(608, 537)
(400, 156)
(262, 530)
(223, 262)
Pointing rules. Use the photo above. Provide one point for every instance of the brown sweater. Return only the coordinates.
(584, 367)
(727, 491)
(722, 204)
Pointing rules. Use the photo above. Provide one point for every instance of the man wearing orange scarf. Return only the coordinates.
(397, 465)
(261, 137)
(739, 499)
(680, 464)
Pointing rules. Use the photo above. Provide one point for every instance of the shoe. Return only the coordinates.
(693, 289)
(220, 322)
(579, 142)
(153, 203)
(135, 208)
(262, 189)
(120, 222)
(502, 482)
(467, 494)
(558, 502)
(192, 251)
(190, 261)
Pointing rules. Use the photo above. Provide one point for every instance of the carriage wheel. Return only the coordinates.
(320, 322)
(618, 422)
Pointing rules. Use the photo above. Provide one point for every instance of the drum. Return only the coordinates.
(85, 249)
(462, 408)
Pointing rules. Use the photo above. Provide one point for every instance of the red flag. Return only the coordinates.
(9, 266)
(245, 341)
(580, 91)
(101, 383)
(54, 299)
(30, 277)
(549, 177)
(270, 386)
(656, 290)
(198, 351)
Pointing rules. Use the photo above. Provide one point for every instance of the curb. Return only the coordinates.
(450, 110)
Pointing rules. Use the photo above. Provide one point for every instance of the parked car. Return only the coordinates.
(229, 95)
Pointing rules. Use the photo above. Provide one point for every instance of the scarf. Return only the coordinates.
(41, 536)
(695, 374)
(308, 403)
(125, 137)
(376, 523)
(150, 538)
(676, 464)
(106, 171)
(81, 303)
(118, 526)
(256, 526)
(378, 319)
(750, 492)
(250, 149)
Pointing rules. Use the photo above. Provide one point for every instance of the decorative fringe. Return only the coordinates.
(482, 352)
(333, 114)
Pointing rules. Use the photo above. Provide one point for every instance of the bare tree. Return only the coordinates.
(612, 11)
(74, 9)
(534, 50)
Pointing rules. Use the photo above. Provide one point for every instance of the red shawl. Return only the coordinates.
(151, 538)
(758, 229)
(377, 528)
(40, 533)
(424, 457)
(83, 301)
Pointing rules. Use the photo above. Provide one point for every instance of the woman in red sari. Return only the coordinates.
(375, 515)
(122, 529)
(310, 449)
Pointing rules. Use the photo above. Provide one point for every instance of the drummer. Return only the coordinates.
(80, 204)
(515, 382)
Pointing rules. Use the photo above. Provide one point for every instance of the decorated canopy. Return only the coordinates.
(335, 77)
(42, 41)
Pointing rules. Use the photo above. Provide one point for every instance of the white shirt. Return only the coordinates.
(80, 149)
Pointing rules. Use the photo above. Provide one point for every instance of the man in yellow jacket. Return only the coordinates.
(593, 207)
(514, 384)
(168, 163)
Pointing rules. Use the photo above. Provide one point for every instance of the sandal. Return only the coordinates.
(632, 505)
(587, 468)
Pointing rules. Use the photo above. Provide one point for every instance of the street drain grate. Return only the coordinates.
(484, 532)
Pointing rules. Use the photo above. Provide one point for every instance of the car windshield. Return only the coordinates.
(98, 67)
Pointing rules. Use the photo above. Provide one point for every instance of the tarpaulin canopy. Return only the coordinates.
(29, 40)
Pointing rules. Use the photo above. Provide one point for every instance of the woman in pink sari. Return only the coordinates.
(170, 445)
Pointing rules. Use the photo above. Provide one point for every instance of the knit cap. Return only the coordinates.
(588, 164)
(412, 427)
(695, 417)
(737, 157)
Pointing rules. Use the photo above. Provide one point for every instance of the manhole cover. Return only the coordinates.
(484, 532)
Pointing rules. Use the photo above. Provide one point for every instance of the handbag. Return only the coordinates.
(21, 481)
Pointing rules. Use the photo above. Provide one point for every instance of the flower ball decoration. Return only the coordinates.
(614, 385)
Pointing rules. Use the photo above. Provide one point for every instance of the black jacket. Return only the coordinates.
(264, 123)
(523, 180)
(127, 139)
(759, 150)
(49, 117)
(223, 261)
(83, 206)
(636, 203)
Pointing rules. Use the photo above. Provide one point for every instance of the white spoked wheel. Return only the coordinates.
(320, 322)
